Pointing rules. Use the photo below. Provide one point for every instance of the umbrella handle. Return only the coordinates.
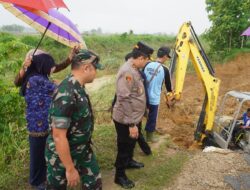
(42, 38)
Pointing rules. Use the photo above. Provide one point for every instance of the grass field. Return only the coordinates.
(163, 166)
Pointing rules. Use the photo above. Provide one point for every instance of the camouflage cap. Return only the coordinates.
(87, 56)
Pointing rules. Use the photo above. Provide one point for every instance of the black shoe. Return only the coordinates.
(134, 164)
(124, 182)
(39, 187)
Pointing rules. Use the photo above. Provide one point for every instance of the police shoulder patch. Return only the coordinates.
(128, 77)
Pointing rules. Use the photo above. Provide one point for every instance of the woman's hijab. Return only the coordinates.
(41, 64)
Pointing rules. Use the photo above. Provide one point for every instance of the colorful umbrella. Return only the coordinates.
(246, 32)
(43, 5)
(53, 24)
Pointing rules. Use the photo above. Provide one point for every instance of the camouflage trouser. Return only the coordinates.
(86, 165)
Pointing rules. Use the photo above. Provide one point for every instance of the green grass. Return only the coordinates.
(13, 138)
(161, 168)
(111, 48)
(102, 100)
(159, 172)
(222, 57)
(14, 158)
(104, 140)
(234, 53)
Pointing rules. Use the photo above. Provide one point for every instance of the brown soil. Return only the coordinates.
(204, 170)
(179, 122)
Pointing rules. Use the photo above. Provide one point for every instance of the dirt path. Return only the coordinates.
(99, 82)
(207, 171)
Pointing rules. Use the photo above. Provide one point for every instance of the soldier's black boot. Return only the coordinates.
(122, 180)
(132, 164)
(42, 186)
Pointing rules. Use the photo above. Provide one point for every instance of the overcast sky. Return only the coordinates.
(141, 16)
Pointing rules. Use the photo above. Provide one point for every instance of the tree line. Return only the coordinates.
(229, 19)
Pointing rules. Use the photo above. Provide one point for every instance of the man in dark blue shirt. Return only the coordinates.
(240, 129)
(246, 119)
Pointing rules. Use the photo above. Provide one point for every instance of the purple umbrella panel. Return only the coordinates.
(60, 28)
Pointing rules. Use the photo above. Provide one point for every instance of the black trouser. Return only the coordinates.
(142, 142)
(125, 148)
(37, 160)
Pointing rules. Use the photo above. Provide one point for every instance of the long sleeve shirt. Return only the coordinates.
(130, 103)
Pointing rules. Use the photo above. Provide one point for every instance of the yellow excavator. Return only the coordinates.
(188, 47)
(211, 129)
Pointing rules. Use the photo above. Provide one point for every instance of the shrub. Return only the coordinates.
(13, 142)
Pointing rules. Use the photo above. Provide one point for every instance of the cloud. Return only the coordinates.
(142, 16)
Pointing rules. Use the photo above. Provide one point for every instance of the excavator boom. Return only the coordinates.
(188, 47)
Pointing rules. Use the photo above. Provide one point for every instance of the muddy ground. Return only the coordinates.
(205, 170)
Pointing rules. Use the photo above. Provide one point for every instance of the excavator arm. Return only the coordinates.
(188, 47)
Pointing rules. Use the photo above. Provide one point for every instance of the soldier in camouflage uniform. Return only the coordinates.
(69, 155)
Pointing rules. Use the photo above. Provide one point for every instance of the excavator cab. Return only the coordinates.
(232, 107)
